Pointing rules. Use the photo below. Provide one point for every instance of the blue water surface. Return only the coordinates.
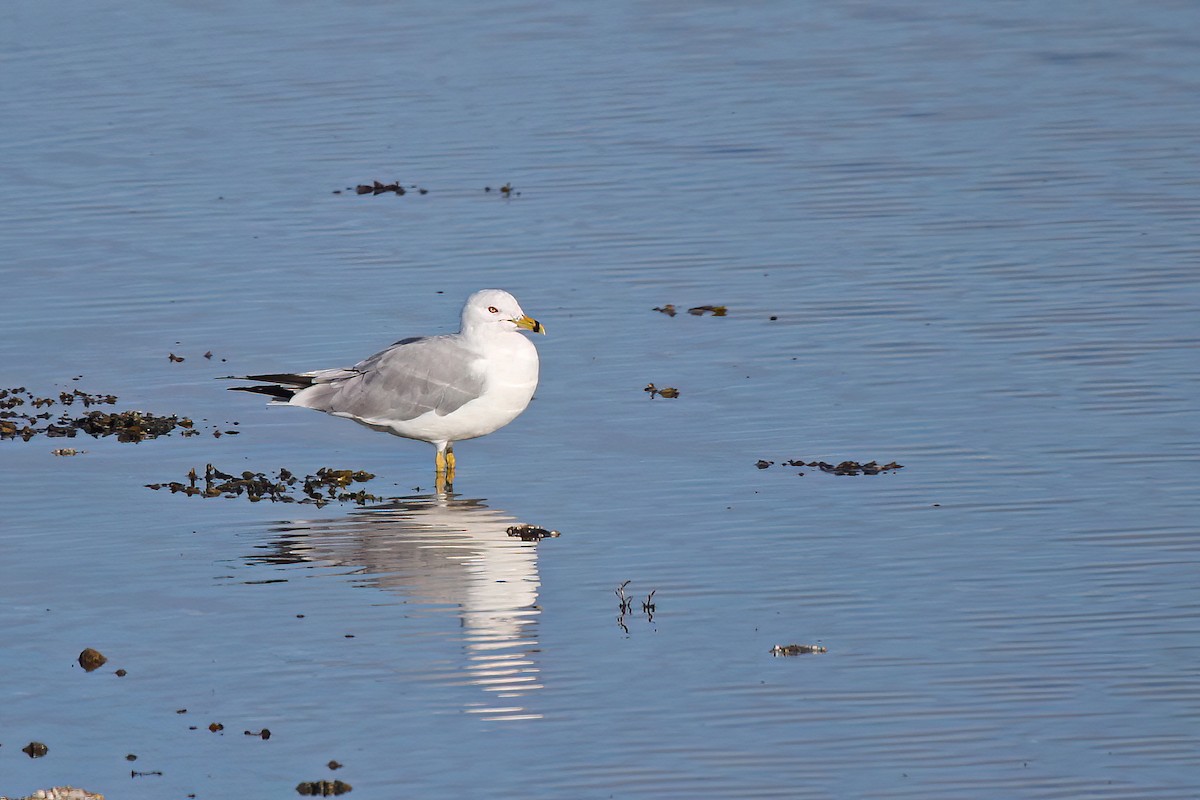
(961, 237)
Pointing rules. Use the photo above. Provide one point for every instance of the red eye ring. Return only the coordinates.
(493, 309)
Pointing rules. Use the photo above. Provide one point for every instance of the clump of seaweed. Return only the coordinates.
(128, 426)
(848, 467)
(377, 187)
(506, 190)
(696, 311)
(841, 468)
(327, 486)
(531, 533)
(798, 649)
(21, 416)
(323, 788)
(625, 605)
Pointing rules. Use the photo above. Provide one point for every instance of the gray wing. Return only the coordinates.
(410, 378)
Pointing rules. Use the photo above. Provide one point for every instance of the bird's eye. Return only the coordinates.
(493, 309)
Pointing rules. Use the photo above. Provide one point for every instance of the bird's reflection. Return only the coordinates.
(442, 551)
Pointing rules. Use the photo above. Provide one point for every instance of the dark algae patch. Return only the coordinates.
(625, 605)
(323, 788)
(696, 311)
(505, 191)
(378, 187)
(131, 426)
(797, 649)
(327, 486)
(23, 415)
(531, 533)
(848, 467)
(841, 468)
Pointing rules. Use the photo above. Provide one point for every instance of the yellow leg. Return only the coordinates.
(443, 462)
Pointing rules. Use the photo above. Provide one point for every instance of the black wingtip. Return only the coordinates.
(285, 378)
(278, 392)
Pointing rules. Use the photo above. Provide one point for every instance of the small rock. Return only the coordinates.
(91, 660)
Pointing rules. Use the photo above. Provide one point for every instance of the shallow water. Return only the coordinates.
(975, 231)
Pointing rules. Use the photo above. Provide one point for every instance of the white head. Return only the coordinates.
(496, 307)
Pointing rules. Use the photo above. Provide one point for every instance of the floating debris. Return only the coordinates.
(91, 660)
(848, 467)
(133, 773)
(174, 359)
(716, 311)
(626, 606)
(264, 734)
(377, 188)
(284, 487)
(35, 749)
(626, 602)
(648, 605)
(334, 765)
(506, 190)
(668, 392)
(531, 533)
(841, 468)
(797, 649)
(216, 727)
(127, 426)
(323, 788)
(668, 309)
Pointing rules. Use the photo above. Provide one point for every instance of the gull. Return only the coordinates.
(436, 389)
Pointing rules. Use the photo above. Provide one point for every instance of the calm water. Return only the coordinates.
(961, 237)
